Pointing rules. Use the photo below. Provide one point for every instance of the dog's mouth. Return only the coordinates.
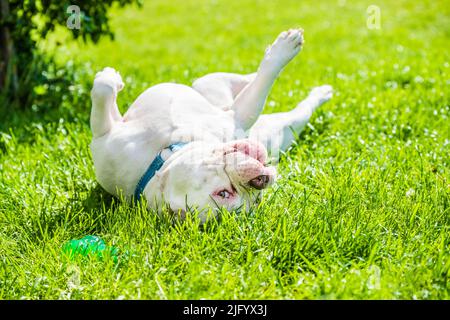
(250, 148)
(250, 173)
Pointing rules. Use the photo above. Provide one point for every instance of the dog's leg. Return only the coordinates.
(221, 88)
(104, 111)
(277, 131)
(250, 102)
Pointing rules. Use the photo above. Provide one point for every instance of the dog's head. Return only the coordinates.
(203, 175)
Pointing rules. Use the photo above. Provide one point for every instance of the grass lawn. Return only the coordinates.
(362, 206)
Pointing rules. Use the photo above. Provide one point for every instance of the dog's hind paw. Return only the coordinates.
(284, 49)
(322, 94)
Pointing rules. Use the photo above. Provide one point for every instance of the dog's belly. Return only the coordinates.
(183, 112)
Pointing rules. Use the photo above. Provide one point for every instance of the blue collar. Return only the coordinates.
(156, 164)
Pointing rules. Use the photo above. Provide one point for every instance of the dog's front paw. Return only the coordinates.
(110, 77)
(284, 49)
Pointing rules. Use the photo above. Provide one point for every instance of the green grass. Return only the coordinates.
(361, 209)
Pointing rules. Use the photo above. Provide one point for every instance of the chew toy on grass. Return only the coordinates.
(90, 245)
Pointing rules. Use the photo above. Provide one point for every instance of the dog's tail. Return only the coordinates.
(105, 111)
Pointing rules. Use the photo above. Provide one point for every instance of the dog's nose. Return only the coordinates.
(260, 182)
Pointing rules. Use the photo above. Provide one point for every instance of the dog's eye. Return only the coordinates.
(224, 194)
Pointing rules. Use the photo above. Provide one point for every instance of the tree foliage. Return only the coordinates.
(24, 22)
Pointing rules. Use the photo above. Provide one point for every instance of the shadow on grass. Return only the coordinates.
(80, 215)
(98, 198)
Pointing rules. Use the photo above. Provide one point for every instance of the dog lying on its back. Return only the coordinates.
(203, 146)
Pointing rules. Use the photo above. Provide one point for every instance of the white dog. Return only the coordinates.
(203, 147)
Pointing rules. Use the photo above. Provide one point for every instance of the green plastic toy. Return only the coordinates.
(90, 245)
